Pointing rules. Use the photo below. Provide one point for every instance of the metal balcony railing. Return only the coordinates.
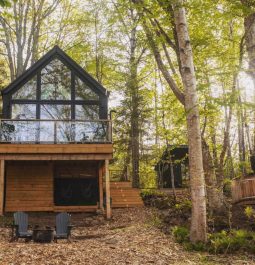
(55, 131)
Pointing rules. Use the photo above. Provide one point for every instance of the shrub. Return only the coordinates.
(157, 199)
(183, 205)
(233, 241)
(181, 234)
(150, 193)
(249, 212)
(218, 243)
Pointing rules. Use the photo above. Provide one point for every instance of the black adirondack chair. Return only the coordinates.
(20, 227)
(63, 227)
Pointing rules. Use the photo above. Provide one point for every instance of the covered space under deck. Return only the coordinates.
(54, 177)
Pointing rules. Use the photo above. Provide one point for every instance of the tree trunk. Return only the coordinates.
(241, 141)
(214, 193)
(197, 182)
(21, 32)
(133, 88)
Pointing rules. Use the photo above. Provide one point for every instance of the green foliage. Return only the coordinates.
(147, 193)
(249, 212)
(231, 242)
(181, 234)
(154, 198)
(184, 204)
(218, 243)
(5, 3)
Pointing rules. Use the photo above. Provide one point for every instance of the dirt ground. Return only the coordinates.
(129, 238)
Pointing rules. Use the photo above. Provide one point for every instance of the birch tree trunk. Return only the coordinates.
(215, 196)
(188, 98)
(197, 182)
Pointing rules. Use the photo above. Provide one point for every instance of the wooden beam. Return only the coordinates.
(55, 156)
(56, 149)
(1, 187)
(100, 181)
(107, 190)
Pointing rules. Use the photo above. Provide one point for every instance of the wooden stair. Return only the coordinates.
(123, 195)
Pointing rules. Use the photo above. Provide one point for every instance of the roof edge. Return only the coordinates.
(55, 50)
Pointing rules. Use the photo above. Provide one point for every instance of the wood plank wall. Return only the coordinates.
(243, 190)
(29, 186)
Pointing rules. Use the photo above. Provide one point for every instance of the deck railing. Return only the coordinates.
(55, 131)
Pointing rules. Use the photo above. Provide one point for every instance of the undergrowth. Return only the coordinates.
(218, 243)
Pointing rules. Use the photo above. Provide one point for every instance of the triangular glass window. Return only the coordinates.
(83, 91)
(56, 81)
(27, 91)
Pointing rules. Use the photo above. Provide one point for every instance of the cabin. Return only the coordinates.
(55, 139)
(172, 168)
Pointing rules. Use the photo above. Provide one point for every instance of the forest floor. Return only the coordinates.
(131, 237)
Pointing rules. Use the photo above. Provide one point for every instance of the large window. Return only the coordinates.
(55, 93)
(83, 91)
(27, 91)
(55, 112)
(55, 81)
(23, 111)
(86, 112)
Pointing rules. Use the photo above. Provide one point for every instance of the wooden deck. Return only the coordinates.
(123, 195)
(243, 191)
(56, 151)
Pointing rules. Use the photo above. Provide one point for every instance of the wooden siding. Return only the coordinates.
(56, 149)
(2, 184)
(243, 191)
(29, 186)
(66, 157)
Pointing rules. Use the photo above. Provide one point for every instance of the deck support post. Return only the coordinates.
(101, 188)
(2, 187)
(107, 190)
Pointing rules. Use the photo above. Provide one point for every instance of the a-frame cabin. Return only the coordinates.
(55, 139)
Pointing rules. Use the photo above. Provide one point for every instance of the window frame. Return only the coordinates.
(101, 102)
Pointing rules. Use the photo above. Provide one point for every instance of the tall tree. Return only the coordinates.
(249, 27)
(188, 98)
(21, 25)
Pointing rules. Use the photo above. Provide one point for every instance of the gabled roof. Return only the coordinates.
(54, 52)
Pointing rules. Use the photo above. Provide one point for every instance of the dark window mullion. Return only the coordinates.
(38, 96)
(55, 102)
(72, 95)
